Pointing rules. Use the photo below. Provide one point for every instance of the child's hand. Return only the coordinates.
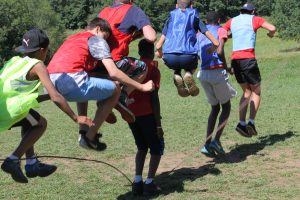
(212, 49)
(230, 70)
(160, 132)
(270, 34)
(148, 87)
(85, 120)
(159, 53)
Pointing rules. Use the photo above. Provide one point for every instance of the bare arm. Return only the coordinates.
(221, 54)
(159, 46)
(213, 40)
(156, 111)
(270, 27)
(149, 33)
(120, 76)
(41, 71)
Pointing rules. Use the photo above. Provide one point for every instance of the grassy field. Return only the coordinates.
(262, 167)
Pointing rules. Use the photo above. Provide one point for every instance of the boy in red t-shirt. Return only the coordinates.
(146, 129)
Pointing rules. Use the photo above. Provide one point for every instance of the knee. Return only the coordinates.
(226, 107)
(117, 91)
(42, 124)
(215, 109)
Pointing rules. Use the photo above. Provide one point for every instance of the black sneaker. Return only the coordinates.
(251, 129)
(137, 188)
(122, 107)
(39, 169)
(151, 189)
(84, 142)
(13, 168)
(242, 130)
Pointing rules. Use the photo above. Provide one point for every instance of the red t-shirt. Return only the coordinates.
(247, 53)
(140, 102)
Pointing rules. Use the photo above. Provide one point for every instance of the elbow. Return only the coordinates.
(151, 38)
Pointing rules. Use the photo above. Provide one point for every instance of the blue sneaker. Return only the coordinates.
(207, 151)
(39, 169)
(217, 147)
(13, 168)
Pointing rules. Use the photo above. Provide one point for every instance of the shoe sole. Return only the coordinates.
(179, 83)
(126, 114)
(242, 133)
(16, 178)
(190, 82)
(251, 130)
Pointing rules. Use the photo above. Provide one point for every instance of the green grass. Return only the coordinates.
(263, 167)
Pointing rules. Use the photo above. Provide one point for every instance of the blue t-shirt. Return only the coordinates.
(135, 19)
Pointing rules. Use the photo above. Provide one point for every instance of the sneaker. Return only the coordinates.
(179, 83)
(13, 168)
(84, 142)
(242, 130)
(83, 132)
(217, 147)
(111, 118)
(137, 188)
(39, 169)
(191, 84)
(122, 107)
(207, 151)
(151, 189)
(251, 129)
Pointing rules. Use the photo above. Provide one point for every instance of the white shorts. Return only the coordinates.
(216, 86)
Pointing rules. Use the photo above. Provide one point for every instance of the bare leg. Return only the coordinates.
(139, 162)
(153, 165)
(212, 122)
(82, 108)
(244, 101)
(29, 139)
(255, 100)
(102, 113)
(223, 119)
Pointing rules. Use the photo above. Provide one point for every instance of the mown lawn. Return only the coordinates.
(263, 167)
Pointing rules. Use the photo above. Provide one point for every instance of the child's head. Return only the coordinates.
(123, 1)
(146, 49)
(100, 26)
(35, 44)
(184, 3)
(248, 8)
(213, 17)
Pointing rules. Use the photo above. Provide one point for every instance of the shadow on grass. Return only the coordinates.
(290, 50)
(241, 152)
(173, 181)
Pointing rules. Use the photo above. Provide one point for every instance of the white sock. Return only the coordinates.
(31, 161)
(252, 121)
(138, 178)
(243, 123)
(13, 157)
(148, 180)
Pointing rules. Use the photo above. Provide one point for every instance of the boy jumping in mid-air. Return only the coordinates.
(214, 80)
(178, 45)
(146, 129)
(21, 79)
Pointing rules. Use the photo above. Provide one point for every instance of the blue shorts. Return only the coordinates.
(178, 61)
(91, 89)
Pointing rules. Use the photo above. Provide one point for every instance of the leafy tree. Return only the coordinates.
(287, 18)
(16, 17)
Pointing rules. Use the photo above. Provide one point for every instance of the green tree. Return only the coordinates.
(286, 17)
(16, 17)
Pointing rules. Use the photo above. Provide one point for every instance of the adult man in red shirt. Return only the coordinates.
(244, 28)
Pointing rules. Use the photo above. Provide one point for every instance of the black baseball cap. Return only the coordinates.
(33, 40)
(248, 6)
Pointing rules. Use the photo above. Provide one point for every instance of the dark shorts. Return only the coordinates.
(181, 61)
(145, 135)
(31, 120)
(246, 71)
(129, 65)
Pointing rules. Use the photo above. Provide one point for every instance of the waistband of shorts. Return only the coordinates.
(215, 67)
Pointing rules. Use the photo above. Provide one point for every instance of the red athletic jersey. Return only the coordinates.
(140, 102)
(73, 55)
(248, 53)
(118, 41)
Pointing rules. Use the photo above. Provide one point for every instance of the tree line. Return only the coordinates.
(56, 17)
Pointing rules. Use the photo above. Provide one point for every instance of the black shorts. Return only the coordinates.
(246, 71)
(145, 134)
(177, 61)
(31, 120)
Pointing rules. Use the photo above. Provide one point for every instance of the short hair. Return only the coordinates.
(212, 17)
(146, 49)
(122, 1)
(102, 23)
(184, 3)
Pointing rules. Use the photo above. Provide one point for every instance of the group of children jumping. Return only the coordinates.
(94, 65)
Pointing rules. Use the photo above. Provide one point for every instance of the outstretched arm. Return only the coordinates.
(270, 27)
(149, 33)
(41, 71)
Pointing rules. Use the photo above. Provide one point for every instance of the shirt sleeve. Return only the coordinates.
(257, 22)
(134, 19)
(165, 29)
(227, 25)
(222, 34)
(98, 48)
(202, 27)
